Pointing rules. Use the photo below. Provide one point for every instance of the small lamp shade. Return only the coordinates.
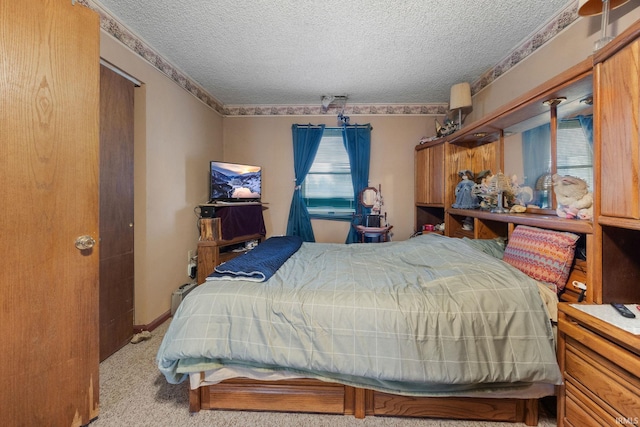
(460, 98)
(599, 7)
(594, 7)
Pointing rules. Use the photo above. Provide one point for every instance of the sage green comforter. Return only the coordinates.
(424, 316)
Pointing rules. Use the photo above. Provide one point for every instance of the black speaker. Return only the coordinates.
(207, 211)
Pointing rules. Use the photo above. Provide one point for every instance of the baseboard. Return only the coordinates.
(151, 326)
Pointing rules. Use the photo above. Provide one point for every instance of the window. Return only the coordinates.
(327, 189)
(574, 152)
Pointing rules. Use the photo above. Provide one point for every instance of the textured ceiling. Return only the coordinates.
(287, 52)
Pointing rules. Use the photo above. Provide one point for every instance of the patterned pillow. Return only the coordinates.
(544, 255)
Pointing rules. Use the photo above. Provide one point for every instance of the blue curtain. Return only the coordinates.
(357, 142)
(306, 140)
(536, 153)
(587, 127)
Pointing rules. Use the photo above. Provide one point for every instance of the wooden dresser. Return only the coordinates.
(600, 363)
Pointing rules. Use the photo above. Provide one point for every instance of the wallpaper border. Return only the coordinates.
(120, 32)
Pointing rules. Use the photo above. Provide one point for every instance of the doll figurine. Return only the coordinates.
(465, 198)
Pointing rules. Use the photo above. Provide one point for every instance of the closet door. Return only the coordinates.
(116, 212)
(49, 83)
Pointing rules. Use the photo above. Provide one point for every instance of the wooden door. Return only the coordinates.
(116, 212)
(49, 82)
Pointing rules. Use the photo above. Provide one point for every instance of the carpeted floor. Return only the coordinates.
(134, 393)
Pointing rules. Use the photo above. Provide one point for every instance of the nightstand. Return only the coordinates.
(600, 362)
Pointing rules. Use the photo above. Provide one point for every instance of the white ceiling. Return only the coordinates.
(286, 52)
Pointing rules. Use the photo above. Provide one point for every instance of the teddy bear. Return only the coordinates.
(573, 196)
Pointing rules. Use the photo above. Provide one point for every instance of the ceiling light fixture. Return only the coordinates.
(597, 7)
(326, 101)
(329, 100)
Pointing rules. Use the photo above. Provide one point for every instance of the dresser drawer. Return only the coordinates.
(581, 412)
(614, 389)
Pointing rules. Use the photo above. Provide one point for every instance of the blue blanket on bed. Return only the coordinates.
(261, 262)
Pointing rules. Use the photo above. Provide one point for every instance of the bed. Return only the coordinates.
(432, 326)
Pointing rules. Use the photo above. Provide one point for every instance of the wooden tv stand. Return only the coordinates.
(212, 253)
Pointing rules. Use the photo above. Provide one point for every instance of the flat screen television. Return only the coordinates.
(233, 182)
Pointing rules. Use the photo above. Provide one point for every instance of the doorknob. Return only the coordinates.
(85, 242)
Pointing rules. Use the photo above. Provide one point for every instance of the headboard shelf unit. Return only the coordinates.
(480, 146)
(552, 222)
(610, 81)
(483, 228)
(488, 225)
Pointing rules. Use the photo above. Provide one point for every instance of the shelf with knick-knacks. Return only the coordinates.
(503, 141)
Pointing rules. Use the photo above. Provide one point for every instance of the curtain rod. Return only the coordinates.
(335, 127)
(309, 126)
(352, 126)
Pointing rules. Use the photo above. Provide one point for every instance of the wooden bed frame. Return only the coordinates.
(308, 395)
(314, 396)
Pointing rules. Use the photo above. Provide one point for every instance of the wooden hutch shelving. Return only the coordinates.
(595, 355)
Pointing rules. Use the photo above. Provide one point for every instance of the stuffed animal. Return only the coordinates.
(573, 196)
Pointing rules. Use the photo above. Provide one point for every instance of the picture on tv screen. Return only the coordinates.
(231, 181)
